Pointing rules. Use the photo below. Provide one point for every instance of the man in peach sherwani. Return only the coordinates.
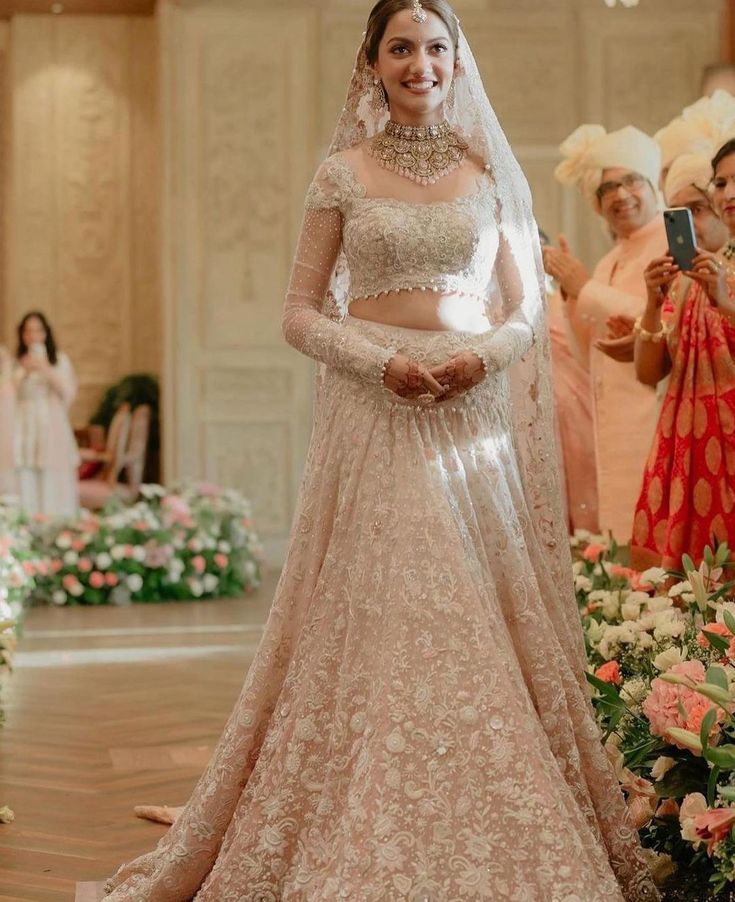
(617, 172)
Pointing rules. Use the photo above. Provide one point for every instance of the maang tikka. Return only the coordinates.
(419, 13)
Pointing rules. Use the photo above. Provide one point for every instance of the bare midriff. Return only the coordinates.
(422, 309)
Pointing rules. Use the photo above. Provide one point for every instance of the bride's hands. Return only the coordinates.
(406, 378)
(459, 373)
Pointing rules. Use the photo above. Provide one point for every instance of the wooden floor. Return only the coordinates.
(108, 708)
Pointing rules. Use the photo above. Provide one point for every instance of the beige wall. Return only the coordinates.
(82, 188)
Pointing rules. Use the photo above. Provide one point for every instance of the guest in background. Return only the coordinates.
(688, 329)
(574, 432)
(617, 172)
(687, 185)
(7, 421)
(46, 455)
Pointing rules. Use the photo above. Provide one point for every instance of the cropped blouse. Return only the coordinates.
(452, 247)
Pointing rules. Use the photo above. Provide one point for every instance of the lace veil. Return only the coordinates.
(533, 414)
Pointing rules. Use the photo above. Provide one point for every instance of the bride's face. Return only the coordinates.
(416, 64)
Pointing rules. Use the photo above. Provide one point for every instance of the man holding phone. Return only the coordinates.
(617, 172)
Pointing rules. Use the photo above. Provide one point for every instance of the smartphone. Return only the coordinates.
(680, 233)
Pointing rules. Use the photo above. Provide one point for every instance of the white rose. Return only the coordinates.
(583, 584)
(139, 553)
(210, 582)
(103, 561)
(63, 540)
(59, 597)
(224, 547)
(630, 610)
(76, 590)
(117, 552)
(134, 582)
(666, 659)
(653, 576)
(633, 691)
(661, 766)
(659, 603)
(195, 587)
(611, 605)
(251, 569)
(70, 558)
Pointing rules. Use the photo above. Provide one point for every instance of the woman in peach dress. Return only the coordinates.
(415, 724)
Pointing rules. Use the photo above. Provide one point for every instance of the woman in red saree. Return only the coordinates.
(687, 500)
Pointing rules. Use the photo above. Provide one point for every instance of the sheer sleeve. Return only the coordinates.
(503, 346)
(305, 326)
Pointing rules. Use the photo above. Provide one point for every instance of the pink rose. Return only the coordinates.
(69, 582)
(77, 545)
(199, 564)
(719, 629)
(713, 826)
(609, 672)
(56, 565)
(594, 552)
(221, 560)
(664, 704)
(28, 568)
(85, 565)
(111, 579)
(128, 551)
(96, 579)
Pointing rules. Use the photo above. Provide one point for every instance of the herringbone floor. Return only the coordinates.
(108, 708)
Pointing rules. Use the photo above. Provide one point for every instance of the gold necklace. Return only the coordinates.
(422, 153)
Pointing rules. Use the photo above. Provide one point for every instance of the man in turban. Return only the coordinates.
(617, 172)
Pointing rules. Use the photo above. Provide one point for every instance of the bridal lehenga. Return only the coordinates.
(415, 724)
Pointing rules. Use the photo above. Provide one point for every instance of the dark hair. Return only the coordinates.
(384, 10)
(50, 343)
(725, 151)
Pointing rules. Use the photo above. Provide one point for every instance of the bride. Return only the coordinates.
(415, 725)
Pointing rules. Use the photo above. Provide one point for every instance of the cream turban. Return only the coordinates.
(590, 149)
(688, 169)
(702, 127)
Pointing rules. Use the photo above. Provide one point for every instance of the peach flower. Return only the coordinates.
(199, 564)
(692, 806)
(594, 552)
(609, 672)
(85, 565)
(111, 579)
(664, 705)
(713, 826)
(221, 560)
(96, 579)
(719, 629)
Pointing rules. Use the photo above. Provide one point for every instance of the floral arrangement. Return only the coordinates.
(661, 650)
(196, 541)
(17, 568)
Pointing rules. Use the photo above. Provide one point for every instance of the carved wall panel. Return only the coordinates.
(241, 127)
(82, 222)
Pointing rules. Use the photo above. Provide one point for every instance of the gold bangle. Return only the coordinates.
(645, 335)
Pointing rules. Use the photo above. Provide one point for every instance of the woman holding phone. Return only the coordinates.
(46, 455)
(687, 500)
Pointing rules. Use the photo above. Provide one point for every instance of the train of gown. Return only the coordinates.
(415, 724)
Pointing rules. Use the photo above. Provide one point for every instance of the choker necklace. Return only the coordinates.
(422, 153)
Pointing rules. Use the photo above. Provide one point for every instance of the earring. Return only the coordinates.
(451, 97)
(379, 99)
